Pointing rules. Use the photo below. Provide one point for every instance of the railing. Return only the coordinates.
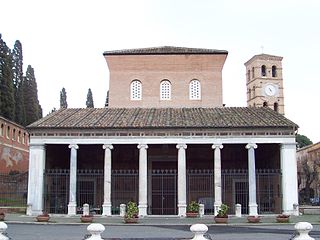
(13, 189)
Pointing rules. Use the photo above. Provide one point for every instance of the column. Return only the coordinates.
(253, 206)
(217, 177)
(182, 179)
(106, 206)
(289, 182)
(72, 206)
(143, 179)
(35, 179)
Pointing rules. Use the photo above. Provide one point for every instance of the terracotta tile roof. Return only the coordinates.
(164, 50)
(131, 118)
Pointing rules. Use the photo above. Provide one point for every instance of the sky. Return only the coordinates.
(64, 41)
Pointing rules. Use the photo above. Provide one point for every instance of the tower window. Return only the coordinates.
(195, 90)
(2, 130)
(8, 132)
(265, 104)
(263, 71)
(254, 91)
(274, 71)
(252, 71)
(276, 107)
(136, 90)
(248, 75)
(165, 90)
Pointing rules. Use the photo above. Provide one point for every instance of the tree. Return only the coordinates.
(7, 102)
(302, 141)
(89, 101)
(32, 106)
(107, 100)
(63, 98)
(17, 70)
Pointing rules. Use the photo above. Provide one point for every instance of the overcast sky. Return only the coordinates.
(64, 40)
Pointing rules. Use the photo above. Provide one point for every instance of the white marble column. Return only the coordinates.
(72, 206)
(253, 206)
(289, 177)
(217, 177)
(35, 179)
(182, 179)
(143, 179)
(106, 206)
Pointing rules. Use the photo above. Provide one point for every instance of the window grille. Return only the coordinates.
(165, 90)
(136, 90)
(195, 90)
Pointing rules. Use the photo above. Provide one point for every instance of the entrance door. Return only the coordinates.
(241, 194)
(164, 192)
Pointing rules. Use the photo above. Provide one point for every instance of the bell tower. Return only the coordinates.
(265, 82)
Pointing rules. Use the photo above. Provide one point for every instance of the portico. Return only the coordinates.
(181, 160)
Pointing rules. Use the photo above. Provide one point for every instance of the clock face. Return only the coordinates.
(270, 90)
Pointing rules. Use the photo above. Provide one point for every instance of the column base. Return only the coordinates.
(253, 209)
(216, 207)
(72, 209)
(182, 210)
(106, 209)
(143, 210)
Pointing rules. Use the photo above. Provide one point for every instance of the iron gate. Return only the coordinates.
(164, 192)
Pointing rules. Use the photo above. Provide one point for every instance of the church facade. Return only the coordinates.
(166, 140)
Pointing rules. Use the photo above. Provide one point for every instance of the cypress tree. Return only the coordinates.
(6, 82)
(63, 98)
(17, 62)
(89, 101)
(32, 106)
(107, 100)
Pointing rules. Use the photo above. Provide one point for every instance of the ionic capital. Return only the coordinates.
(75, 146)
(181, 145)
(141, 146)
(107, 146)
(214, 146)
(251, 145)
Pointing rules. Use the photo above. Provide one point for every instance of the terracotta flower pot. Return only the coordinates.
(282, 219)
(86, 219)
(221, 219)
(253, 219)
(130, 220)
(43, 218)
(192, 214)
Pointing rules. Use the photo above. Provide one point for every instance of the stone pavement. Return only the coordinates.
(62, 227)
(159, 220)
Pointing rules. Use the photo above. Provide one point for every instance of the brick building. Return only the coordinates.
(165, 140)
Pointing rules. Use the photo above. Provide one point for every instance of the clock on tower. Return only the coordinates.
(264, 82)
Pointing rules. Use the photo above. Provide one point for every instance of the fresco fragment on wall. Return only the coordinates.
(12, 159)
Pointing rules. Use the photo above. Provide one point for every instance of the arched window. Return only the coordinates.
(14, 134)
(136, 90)
(252, 71)
(265, 104)
(24, 138)
(263, 71)
(19, 136)
(8, 132)
(249, 93)
(195, 90)
(2, 130)
(276, 107)
(254, 91)
(274, 71)
(248, 75)
(165, 90)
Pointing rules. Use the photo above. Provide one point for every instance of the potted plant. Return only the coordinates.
(283, 218)
(193, 209)
(132, 211)
(44, 217)
(2, 216)
(254, 219)
(222, 216)
(85, 218)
